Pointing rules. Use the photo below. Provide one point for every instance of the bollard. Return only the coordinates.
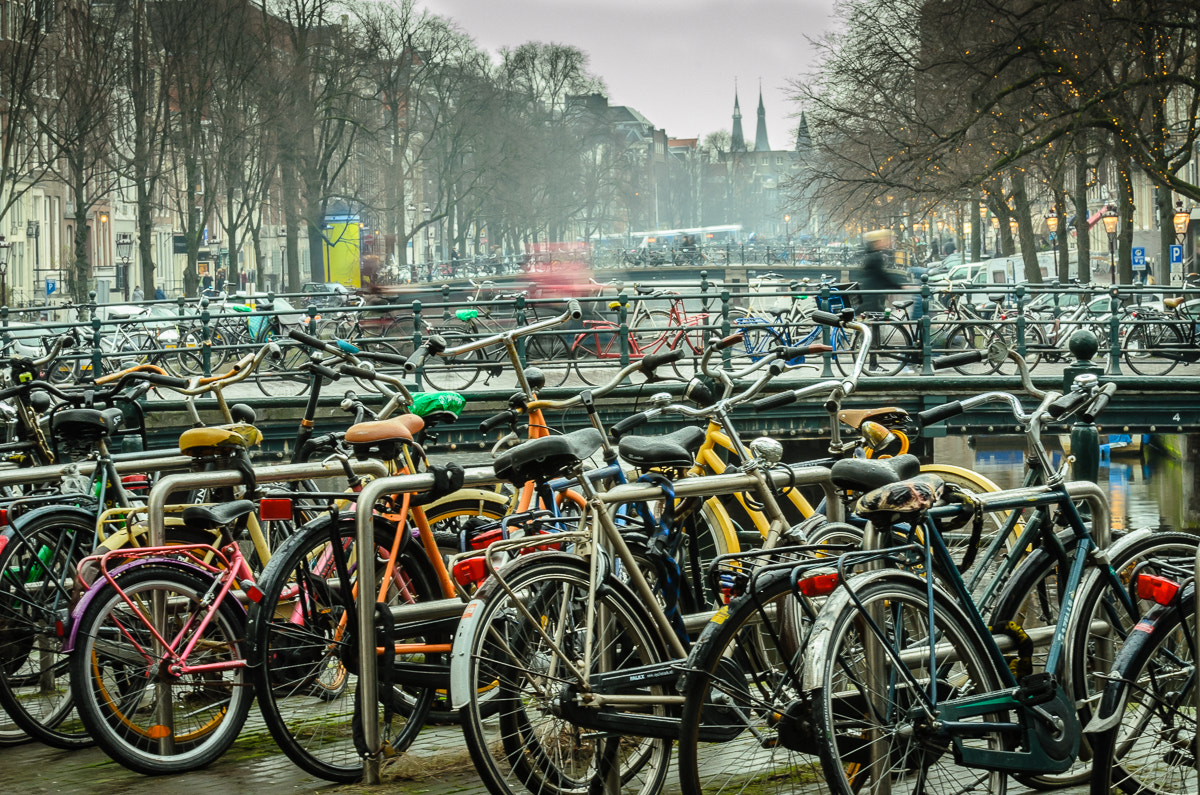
(926, 327)
(419, 374)
(205, 338)
(623, 325)
(1085, 437)
(826, 358)
(1114, 334)
(1021, 320)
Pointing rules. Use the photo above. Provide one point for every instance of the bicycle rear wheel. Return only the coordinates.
(513, 668)
(550, 352)
(867, 724)
(454, 373)
(743, 725)
(152, 723)
(302, 635)
(1153, 348)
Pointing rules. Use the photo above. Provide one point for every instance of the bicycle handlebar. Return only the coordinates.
(1099, 403)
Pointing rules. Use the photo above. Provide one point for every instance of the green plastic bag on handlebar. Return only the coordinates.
(428, 402)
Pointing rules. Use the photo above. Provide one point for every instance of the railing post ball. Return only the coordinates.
(1085, 437)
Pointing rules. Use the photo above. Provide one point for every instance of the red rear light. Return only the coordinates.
(483, 539)
(60, 628)
(820, 585)
(1156, 589)
(275, 509)
(3, 520)
(470, 571)
(251, 591)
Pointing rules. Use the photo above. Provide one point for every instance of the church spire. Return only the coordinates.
(803, 137)
(737, 141)
(760, 135)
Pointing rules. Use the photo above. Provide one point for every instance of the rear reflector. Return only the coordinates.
(275, 509)
(1156, 589)
(470, 571)
(820, 585)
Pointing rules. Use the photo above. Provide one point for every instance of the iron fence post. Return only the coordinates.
(623, 326)
(1020, 292)
(205, 338)
(1085, 438)
(311, 311)
(446, 302)
(419, 373)
(1114, 334)
(926, 327)
(96, 355)
(726, 356)
(522, 319)
(826, 358)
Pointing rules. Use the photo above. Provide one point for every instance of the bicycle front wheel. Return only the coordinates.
(1154, 348)
(454, 373)
(524, 646)
(149, 721)
(744, 721)
(869, 729)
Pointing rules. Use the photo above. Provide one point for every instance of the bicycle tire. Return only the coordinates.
(960, 337)
(39, 561)
(112, 684)
(456, 373)
(282, 376)
(550, 352)
(1145, 344)
(528, 746)
(847, 730)
(315, 727)
(1151, 751)
(743, 686)
(891, 351)
(590, 364)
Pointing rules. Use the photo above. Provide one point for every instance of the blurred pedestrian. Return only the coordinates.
(159, 295)
(220, 283)
(874, 274)
(138, 295)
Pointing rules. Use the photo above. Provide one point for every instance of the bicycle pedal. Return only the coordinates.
(1036, 689)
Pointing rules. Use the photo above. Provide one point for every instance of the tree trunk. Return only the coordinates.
(977, 229)
(291, 217)
(145, 227)
(1125, 232)
(1083, 251)
(1033, 272)
(81, 268)
(1060, 237)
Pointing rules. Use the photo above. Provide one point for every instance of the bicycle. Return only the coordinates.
(1159, 341)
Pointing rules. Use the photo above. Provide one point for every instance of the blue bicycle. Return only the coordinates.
(787, 323)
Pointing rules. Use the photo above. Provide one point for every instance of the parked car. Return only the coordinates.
(322, 294)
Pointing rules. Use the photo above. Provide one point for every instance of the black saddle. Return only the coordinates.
(210, 517)
(865, 474)
(903, 304)
(912, 496)
(86, 424)
(548, 457)
(675, 450)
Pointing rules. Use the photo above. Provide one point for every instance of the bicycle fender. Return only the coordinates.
(102, 585)
(1112, 701)
(57, 510)
(473, 495)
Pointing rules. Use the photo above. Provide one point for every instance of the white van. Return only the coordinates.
(1003, 273)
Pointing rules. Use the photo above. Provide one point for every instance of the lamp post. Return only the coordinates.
(4, 248)
(1181, 220)
(1052, 225)
(124, 249)
(787, 231)
(996, 227)
(940, 226)
(1110, 225)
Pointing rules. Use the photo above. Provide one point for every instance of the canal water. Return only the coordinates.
(1146, 486)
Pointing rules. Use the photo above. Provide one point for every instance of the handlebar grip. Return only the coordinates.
(1099, 403)
(307, 339)
(165, 380)
(574, 310)
(958, 359)
(1067, 403)
(825, 318)
(347, 347)
(789, 352)
(729, 342)
(325, 372)
(357, 372)
(435, 345)
(652, 360)
(939, 413)
(505, 417)
(383, 356)
(774, 401)
(628, 424)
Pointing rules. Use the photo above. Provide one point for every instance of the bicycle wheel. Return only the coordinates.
(38, 566)
(947, 338)
(454, 373)
(513, 667)
(1152, 751)
(281, 376)
(744, 722)
(867, 726)
(302, 634)
(891, 350)
(151, 723)
(593, 364)
(1153, 348)
(550, 353)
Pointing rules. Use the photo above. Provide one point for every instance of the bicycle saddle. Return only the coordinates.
(914, 495)
(82, 424)
(675, 450)
(865, 474)
(218, 440)
(210, 517)
(396, 429)
(903, 304)
(548, 457)
(1171, 303)
(856, 417)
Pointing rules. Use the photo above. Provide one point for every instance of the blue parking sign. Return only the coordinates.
(1176, 254)
(51, 286)
(1139, 258)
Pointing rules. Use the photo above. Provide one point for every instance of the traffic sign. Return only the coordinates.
(51, 286)
(1176, 254)
(1139, 258)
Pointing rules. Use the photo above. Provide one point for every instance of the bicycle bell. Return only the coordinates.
(1084, 382)
(767, 450)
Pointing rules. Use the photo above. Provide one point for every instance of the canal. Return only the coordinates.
(1148, 485)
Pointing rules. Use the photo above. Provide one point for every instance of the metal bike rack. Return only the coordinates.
(18, 477)
(480, 476)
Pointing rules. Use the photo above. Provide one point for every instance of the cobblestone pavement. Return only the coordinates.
(437, 764)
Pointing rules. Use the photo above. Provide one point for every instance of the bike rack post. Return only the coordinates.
(1114, 335)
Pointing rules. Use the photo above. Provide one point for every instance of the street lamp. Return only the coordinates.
(996, 227)
(787, 230)
(4, 247)
(124, 249)
(1110, 225)
(1052, 225)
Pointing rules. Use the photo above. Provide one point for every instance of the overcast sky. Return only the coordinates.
(675, 61)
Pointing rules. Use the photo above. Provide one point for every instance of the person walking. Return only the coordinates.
(138, 295)
(874, 275)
